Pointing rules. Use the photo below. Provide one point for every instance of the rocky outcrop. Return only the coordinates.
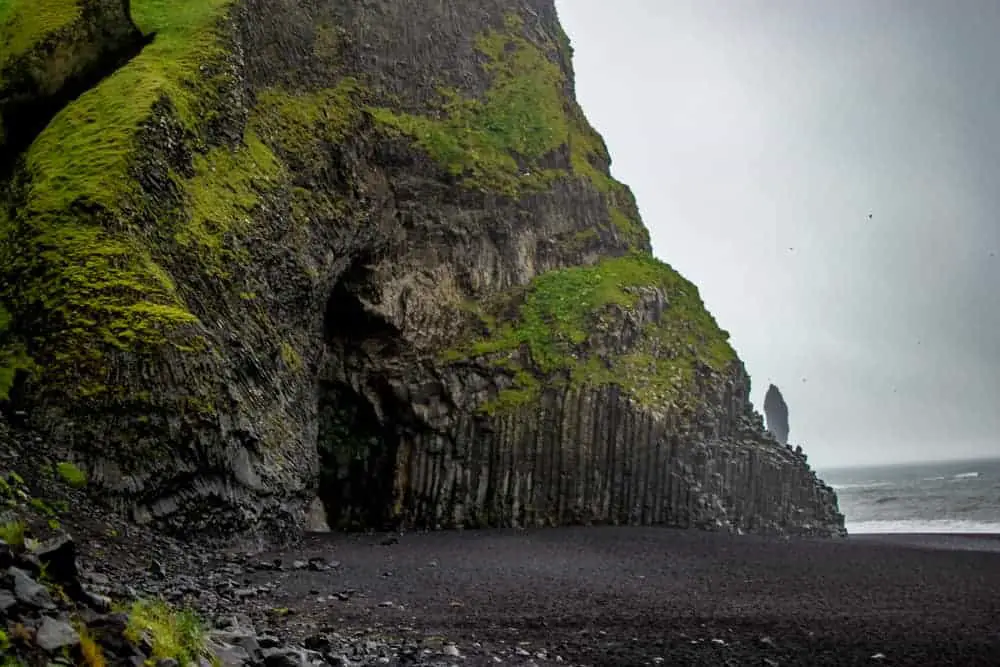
(50, 55)
(369, 252)
(776, 413)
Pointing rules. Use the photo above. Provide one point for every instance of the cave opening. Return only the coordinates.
(360, 419)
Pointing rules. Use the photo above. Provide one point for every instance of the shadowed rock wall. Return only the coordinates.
(367, 258)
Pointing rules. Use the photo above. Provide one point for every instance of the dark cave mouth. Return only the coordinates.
(357, 453)
(359, 430)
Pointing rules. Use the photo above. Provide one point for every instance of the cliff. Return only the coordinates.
(256, 252)
(776, 413)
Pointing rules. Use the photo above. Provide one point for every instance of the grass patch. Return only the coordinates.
(26, 23)
(91, 654)
(298, 123)
(562, 316)
(495, 144)
(13, 533)
(521, 119)
(71, 474)
(77, 287)
(222, 196)
(176, 634)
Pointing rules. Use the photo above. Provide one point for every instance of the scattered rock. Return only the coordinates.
(29, 591)
(54, 635)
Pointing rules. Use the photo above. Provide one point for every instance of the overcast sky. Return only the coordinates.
(758, 135)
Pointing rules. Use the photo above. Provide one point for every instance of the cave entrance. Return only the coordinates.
(360, 419)
(357, 454)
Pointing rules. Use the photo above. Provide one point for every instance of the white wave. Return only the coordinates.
(965, 475)
(923, 526)
(861, 485)
(932, 479)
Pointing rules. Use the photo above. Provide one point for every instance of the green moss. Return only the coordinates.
(562, 315)
(81, 277)
(42, 506)
(173, 634)
(71, 474)
(26, 23)
(13, 356)
(291, 357)
(521, 119)
(297, 123)
(222, 195)
(13, 533)
(496, 144)
(88, 148)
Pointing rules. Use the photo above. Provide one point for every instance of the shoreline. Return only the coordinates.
(641, 595)
(987, 542)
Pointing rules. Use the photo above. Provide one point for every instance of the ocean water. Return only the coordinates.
(948, 497)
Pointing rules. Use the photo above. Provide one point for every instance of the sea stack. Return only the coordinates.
(776, 413)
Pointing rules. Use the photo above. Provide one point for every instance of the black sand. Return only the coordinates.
(631, 596)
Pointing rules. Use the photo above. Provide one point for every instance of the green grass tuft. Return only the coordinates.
(13, 533)
(71, 474)
(176, 634)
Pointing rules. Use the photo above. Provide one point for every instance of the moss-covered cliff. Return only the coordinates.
(252, 250)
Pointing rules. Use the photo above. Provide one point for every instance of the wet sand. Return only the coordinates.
(635, 596)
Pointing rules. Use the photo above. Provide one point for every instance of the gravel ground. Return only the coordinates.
(634, 596)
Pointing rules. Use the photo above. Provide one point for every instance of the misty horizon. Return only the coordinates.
(758, 138)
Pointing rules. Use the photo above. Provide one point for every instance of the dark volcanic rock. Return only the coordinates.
(368, 253)
(776, 412)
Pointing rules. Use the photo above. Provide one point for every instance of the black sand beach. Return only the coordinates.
(635, 596)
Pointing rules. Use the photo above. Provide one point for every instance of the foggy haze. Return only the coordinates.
(758, 136)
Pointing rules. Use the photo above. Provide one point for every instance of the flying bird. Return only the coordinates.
(869, 216)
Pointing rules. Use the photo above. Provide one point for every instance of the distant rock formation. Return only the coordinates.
(776, 413)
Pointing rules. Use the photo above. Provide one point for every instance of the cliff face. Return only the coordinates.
(776, 413)
(371, 250)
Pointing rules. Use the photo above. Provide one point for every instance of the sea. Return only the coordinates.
(945, 497)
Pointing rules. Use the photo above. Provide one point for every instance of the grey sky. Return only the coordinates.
(748, 127)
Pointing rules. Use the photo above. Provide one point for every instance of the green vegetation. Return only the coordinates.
(562, 319)
(297, 122)
(25, 23)
(71, 474)
(522, 116)
(223, 194)
(13, 533)
(495, 144)
(91, 654)
(290, 357)
(89, 290)
(172, 633)
(13, 357)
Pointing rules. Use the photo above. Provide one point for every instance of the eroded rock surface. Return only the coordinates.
(369, 251)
